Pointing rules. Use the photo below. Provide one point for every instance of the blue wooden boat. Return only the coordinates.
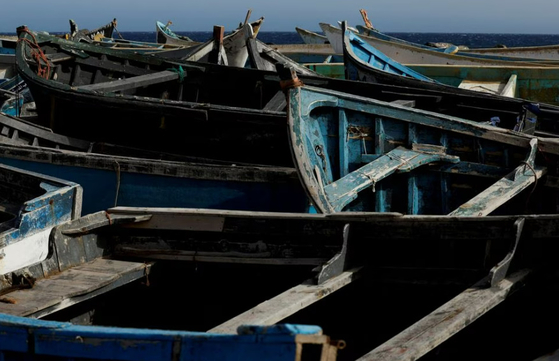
(360, 154)
(116, 175)
(7, 46)
(365, 63)
(32, 204)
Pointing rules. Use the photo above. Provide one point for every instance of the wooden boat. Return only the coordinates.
(32, 204)
(83, 271)
(364, 62)
(142, 47)
(164, 35)
(411, 54)
(359, 154)
(370, 246)
(105, 31)
(14, 96)
(543, 52)
(231, 49)
(115, 175)
(155, 108)
(310, 37)
(7, 45)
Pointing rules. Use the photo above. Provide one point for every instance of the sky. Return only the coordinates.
(446, 16)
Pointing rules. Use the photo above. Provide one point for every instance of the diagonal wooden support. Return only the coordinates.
(341, 192)
(444, 322)
(499, 271)
(287, 303)
(504, 189)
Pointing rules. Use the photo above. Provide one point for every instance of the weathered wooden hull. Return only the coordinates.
(164, 35)
(357, 67)
(539, 84)
(32, 204)
(241, 119)
(310, 37)
(192, 117)
(83, 271)
(346, 146)
(410, 54)
(121, 176)
(65, 341)
(544, 52)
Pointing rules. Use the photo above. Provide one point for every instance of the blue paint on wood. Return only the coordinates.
(370, 55)
(483, 151)
(31, 339)
(150, 190)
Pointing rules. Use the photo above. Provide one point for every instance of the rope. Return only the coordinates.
(180, 71)
(290, 83)
(117, 182)
(37, 54)
(535, 183)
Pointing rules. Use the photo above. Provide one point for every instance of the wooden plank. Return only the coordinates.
(504, 189)
(287, 303)
(133, 82)
(254, 56)
(446, 321)
(277, 103)
(111, 66)
(72, 286)
(344, 190)
(43, 133)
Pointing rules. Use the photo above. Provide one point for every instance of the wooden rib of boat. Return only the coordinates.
(311, 37)
(407, 54)
(359, 154)
(116, 175)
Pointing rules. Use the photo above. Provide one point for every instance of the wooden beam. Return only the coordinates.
(446, 321)
(504, 189)
(255, 58)
(277, 103)
(112, 66)
(133, 82)
(344, 190)
(287, 303)
(72, 286)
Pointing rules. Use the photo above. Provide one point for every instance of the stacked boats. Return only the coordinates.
(224, 188)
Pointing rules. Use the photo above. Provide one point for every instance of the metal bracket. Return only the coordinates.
(499, 271)
(337, 264)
